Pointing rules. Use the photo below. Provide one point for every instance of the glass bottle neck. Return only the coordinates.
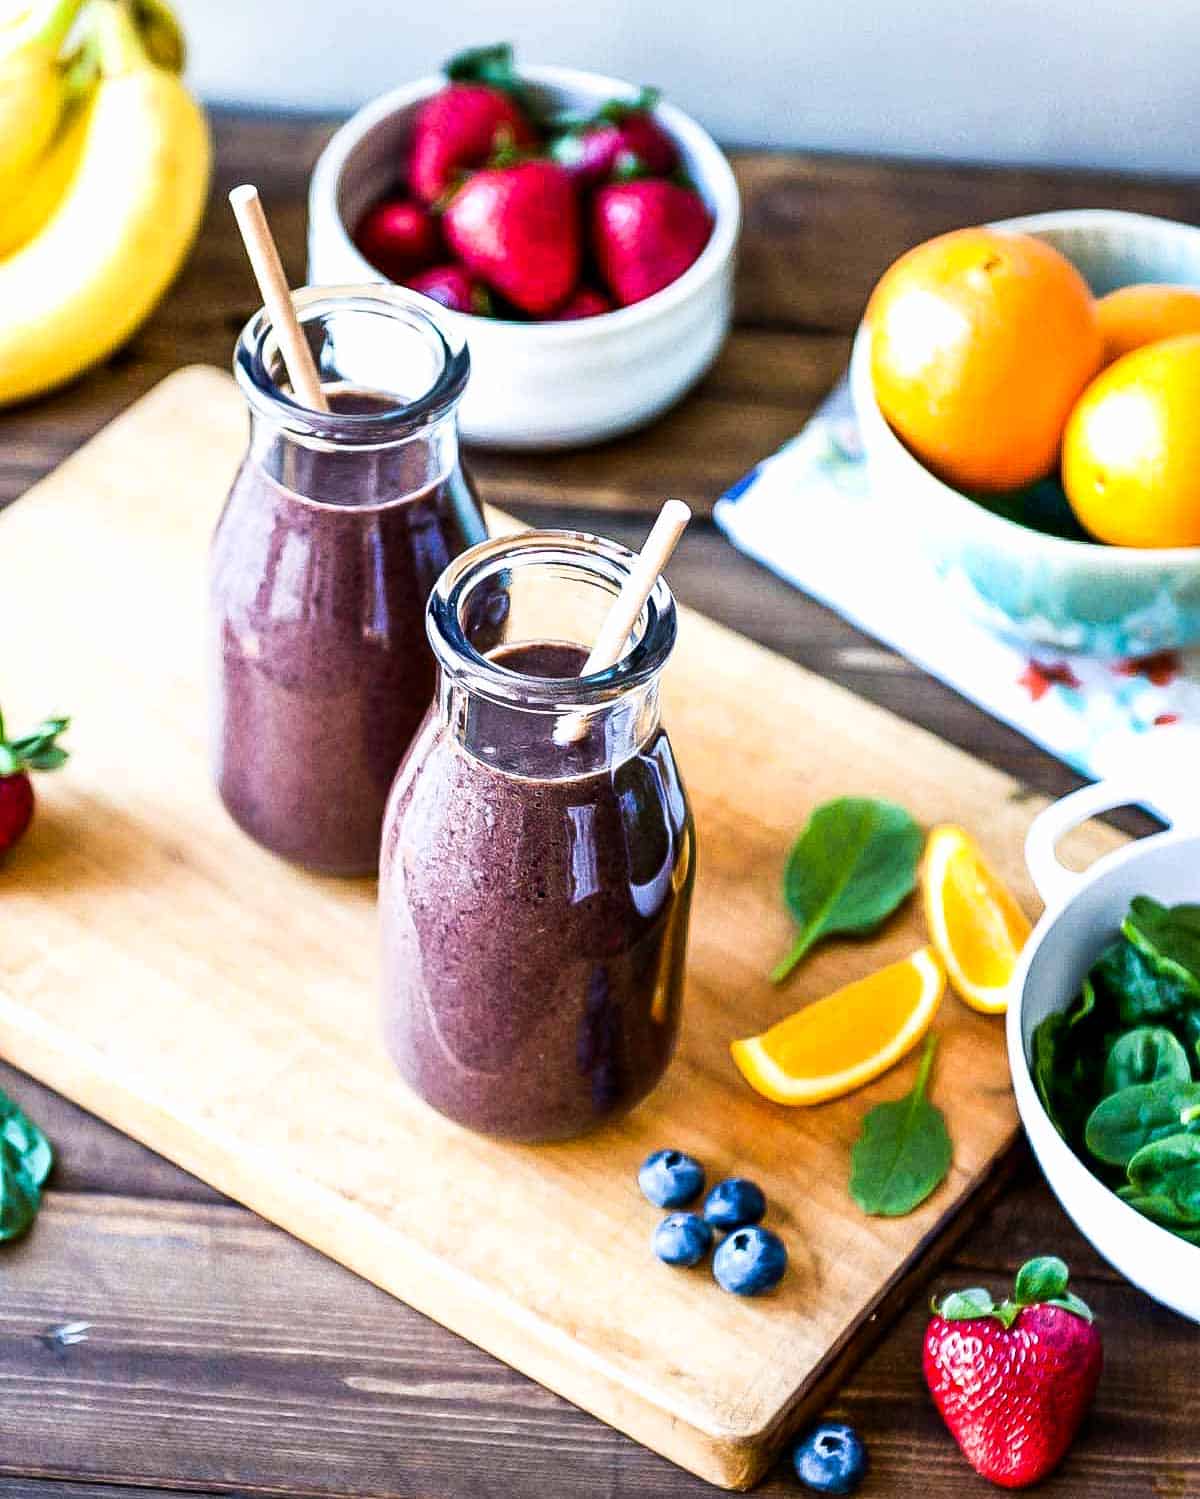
(353, 475)
(546, 744)
(511, 622)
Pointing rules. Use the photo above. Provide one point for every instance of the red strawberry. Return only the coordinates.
(34, 751)
(398, 237)
(1013, 1382)
(646, 234)
(517, 228)
(623, 139)
(587, 302)
(453, 287)
(459, 128)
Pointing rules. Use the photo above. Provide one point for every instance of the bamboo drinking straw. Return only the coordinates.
(629, 603)
(277, 299)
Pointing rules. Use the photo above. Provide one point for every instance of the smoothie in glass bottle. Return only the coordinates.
(538, 855)
(336, 528)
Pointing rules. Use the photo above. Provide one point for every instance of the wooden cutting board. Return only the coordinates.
(161, 970)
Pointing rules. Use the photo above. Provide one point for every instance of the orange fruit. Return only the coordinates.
(846, 1039)
(981, 342)
(1133, 316)
(974, 920)
(1131, 454)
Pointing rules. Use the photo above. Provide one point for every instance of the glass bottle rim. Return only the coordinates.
(257, 348)
(607, 561)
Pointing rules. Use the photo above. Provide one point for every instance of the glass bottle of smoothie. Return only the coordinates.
(336, 529)
(538, 852)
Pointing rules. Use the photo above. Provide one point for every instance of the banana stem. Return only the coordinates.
(118, 43)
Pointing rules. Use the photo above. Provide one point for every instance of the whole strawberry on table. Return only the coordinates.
(37, 750)
(1013, 1380)
(500, 211)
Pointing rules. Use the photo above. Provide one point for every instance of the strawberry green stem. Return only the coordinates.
(37, 750)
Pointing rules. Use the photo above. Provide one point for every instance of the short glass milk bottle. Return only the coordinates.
(335, 530)
(539, 852)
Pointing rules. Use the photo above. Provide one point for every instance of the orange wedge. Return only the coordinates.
(844, 1040)
(973, 918)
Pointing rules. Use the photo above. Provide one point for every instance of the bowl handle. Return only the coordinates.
(1160, 777)
(1053, 879)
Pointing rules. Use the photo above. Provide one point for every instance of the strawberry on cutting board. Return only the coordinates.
(517, 228)
(478, 113)
(1014, 1380)
(645, 234)
(37, 750)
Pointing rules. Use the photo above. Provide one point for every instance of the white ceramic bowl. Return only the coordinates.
(1050, 590)
(548, 385)
(1083, 911)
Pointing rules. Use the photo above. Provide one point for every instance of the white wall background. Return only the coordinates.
(1105, 83)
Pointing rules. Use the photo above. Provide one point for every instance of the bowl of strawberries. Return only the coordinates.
(582, 230)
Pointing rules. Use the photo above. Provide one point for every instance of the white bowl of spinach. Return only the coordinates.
(1104, 1040)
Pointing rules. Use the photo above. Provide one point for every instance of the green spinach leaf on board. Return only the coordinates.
(1169, 938)
(1170, 1169)
(1121, 1124)
(903, 1153)
(848, 871)
(1146, 1054)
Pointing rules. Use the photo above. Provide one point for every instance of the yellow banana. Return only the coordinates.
(45, 187)
(32, 95)
(81, 286)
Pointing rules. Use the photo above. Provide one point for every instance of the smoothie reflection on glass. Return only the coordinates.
(538, 851)
(336, 528)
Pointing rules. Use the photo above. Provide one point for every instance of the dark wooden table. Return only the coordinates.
(154, 1334)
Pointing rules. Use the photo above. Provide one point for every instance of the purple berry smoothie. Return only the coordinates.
(320, 569)
(534, 928)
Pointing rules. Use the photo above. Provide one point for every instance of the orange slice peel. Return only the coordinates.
(842, 1041)
(973, 918)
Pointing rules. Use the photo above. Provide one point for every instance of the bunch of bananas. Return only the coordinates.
(104, 166)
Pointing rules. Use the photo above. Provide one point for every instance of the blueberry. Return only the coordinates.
(671, 1179)
(682, 1239)
(734, 1203)
(750, 1261)
(831, 1458)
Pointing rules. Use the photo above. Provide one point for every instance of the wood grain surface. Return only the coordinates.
(163, 1392)
(163, 971)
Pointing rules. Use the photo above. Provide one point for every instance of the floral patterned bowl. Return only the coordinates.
(1073, 594)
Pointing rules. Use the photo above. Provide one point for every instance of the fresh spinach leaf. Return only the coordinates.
(1169, 938)
(1047, 1044)
(1147, 1054)
(20, 1195)
(1170, 1169)
(26, 1139)
(903, 1152)
(1135, 988)
(25, 1161)
(1121, 1124)
(848, 871)
(1157, 1208)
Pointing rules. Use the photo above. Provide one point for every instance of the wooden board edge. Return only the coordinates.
(733, 1461)
(747, 1461)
